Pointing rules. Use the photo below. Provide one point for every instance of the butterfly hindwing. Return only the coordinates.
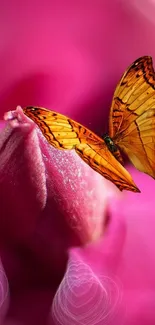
(132, 115)
(64, 133)
(102, 161)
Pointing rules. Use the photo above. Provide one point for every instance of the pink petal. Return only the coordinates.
(136, 269)
(77, 190)
(90, 292)
(128, 260)
(55, 201)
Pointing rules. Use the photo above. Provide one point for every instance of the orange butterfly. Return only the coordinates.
(131, 128)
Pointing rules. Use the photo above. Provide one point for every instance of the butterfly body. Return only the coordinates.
(114, 149)
(131, 128)
(110, 143)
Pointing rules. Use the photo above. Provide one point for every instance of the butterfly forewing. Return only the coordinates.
(56, 128)
(64, 133)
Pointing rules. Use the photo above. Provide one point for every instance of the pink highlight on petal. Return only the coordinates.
(91, 292)
(85, 298)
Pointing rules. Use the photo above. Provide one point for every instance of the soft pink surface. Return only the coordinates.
(68, 56)
(50, 201)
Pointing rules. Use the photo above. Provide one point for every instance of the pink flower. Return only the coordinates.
(50, 201)
(68, 57)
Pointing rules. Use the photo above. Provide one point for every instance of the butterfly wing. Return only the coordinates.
(132, 115)
(64, 133)
(98, 157)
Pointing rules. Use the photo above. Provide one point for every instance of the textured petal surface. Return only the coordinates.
(55, 201)
(56, 176)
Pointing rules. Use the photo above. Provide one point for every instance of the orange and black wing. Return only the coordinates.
(64, 133)
(132, 115)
